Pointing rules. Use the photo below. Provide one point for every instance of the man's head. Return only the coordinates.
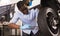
(22, 7)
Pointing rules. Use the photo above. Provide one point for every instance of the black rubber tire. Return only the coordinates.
(42, 23)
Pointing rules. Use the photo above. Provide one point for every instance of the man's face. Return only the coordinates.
(24, 9)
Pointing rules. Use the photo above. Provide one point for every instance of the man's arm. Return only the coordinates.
(13, 21)
(13, 26)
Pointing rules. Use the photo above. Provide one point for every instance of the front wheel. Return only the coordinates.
(47, 18)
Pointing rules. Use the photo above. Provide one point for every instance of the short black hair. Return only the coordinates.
(20, 4)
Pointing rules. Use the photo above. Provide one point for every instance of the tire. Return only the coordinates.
(43, 24)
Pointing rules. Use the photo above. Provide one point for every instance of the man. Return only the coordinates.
(28, 18)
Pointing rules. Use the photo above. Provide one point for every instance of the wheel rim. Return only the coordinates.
(52, 22)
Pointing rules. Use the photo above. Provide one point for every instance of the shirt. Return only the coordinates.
(29, 19)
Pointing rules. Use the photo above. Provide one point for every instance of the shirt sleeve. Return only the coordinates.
(15, 18)
(36, 11)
